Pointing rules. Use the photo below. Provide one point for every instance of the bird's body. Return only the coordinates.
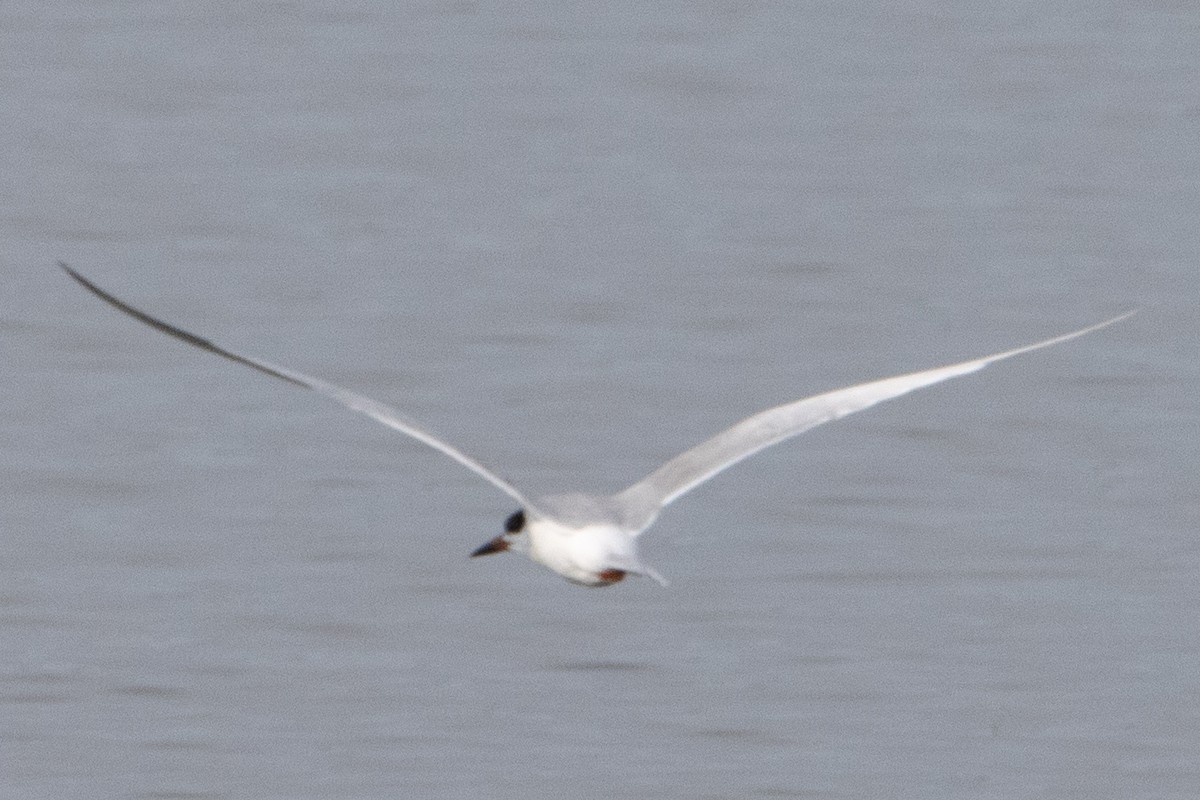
(581, 537)
(591, 540)
(587, 555)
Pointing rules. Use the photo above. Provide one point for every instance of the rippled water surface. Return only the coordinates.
(576, 242)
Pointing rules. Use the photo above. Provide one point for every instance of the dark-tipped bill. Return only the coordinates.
(497, 545)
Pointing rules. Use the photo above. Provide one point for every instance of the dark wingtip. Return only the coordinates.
(180, 333)
(85, 283)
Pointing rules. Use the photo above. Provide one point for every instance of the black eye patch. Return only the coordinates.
(515, 522)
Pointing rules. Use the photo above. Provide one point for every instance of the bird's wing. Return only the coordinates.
(642, 501)
(355, 402)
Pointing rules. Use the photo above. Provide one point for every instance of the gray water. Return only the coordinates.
(576, 241)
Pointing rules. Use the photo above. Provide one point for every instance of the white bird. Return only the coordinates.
(591, 539)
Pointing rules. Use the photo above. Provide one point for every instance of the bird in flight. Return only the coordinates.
(591, 539)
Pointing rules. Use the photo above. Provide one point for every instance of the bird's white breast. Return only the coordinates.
(579, 554)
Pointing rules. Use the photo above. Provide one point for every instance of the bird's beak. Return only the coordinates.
(497, 545)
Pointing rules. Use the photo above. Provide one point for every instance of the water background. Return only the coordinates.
(576, 239)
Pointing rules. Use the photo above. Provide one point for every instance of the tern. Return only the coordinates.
(591, 539)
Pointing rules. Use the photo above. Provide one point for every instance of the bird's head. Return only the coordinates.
(513, 538)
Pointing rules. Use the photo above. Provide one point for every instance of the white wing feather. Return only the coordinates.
(642, 501)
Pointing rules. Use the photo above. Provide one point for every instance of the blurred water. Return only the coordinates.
(576, 241)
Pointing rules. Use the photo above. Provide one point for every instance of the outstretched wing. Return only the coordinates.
(355, 402)
(643, 500)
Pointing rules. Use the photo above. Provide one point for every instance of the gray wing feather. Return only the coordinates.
(355, 402)
(643, 500)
